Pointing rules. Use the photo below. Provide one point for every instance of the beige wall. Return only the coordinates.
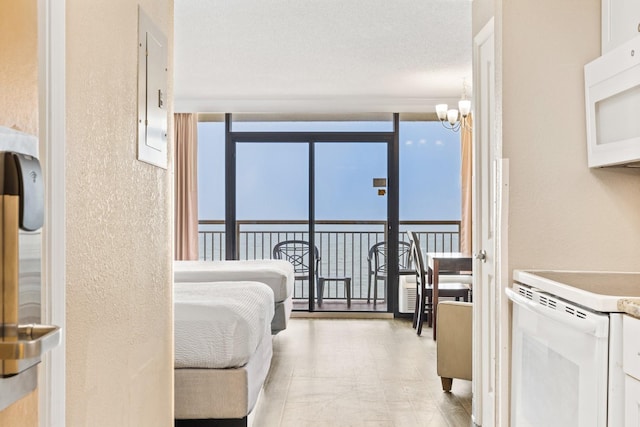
(19, 65)
(119, 295)
(562, 214)
(481, 13)
(19, 109)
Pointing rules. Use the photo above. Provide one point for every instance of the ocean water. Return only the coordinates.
(343, 249)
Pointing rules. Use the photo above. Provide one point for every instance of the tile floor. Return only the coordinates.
(346, 372)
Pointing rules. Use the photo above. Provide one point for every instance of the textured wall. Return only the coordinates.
(119, 294)
(482, 11)
(561, 214)
(19, 109)
(19, 65)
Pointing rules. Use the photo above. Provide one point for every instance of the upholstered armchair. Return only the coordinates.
(454, 352)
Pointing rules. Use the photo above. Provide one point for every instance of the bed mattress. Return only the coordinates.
(277, 274)
(222, 393)
(220, 324)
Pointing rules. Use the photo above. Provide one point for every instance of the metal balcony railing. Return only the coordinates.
(343, 246)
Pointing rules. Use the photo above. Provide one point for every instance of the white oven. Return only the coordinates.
(566, 349)
(558, 354)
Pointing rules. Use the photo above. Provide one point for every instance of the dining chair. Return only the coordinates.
(378, 268)
(297, 252)
(424, 291)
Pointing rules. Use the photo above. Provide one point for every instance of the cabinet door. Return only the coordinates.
(631, 346)
(632, 402)
(612, 95)
(620, 22)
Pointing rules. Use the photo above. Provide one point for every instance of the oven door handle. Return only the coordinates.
(595, 326)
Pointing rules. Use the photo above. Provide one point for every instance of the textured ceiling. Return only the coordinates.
(320, 55)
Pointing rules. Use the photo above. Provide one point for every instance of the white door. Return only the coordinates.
(489, 207)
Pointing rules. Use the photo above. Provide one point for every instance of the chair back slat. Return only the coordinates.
(416, 256)
(379, 253)
(297, 253)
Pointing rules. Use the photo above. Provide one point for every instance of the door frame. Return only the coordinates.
(52, 111)
(391, 139)
(491, 340)
(481, 336)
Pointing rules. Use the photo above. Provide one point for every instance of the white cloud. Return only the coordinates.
(422, 141)
(409, 142)
(438, 142)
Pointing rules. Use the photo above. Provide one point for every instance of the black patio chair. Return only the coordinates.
(377, 265)
(297, 253)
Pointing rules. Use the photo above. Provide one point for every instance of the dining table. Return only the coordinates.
(447, 263)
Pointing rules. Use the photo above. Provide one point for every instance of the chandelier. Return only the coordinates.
(455, 119)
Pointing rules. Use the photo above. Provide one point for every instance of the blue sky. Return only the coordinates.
(272, 178)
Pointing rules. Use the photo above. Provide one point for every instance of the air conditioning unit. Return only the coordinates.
(407, 294)
(407, 290)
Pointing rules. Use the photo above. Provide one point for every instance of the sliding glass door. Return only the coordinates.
(324, 196)
(272, 201)
(350, 218)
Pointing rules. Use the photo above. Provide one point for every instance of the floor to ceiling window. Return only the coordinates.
(344, 214)
(322, 180)
(430, 188)
(429, 171)
(272, 201)
(211, 181)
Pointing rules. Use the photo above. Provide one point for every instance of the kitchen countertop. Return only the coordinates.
(630, 306)
(598, 291)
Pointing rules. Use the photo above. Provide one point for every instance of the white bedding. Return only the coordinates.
(277, 274)
(220, 324)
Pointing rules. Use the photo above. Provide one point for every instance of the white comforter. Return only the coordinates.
(278, 274)
(220, 324)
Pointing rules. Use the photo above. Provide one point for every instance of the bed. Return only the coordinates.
(223, 349)
(277, 274)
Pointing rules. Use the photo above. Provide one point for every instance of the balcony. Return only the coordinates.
(343, 247)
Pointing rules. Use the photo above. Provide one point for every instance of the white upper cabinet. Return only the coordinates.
(620, 22)
(612, 98)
